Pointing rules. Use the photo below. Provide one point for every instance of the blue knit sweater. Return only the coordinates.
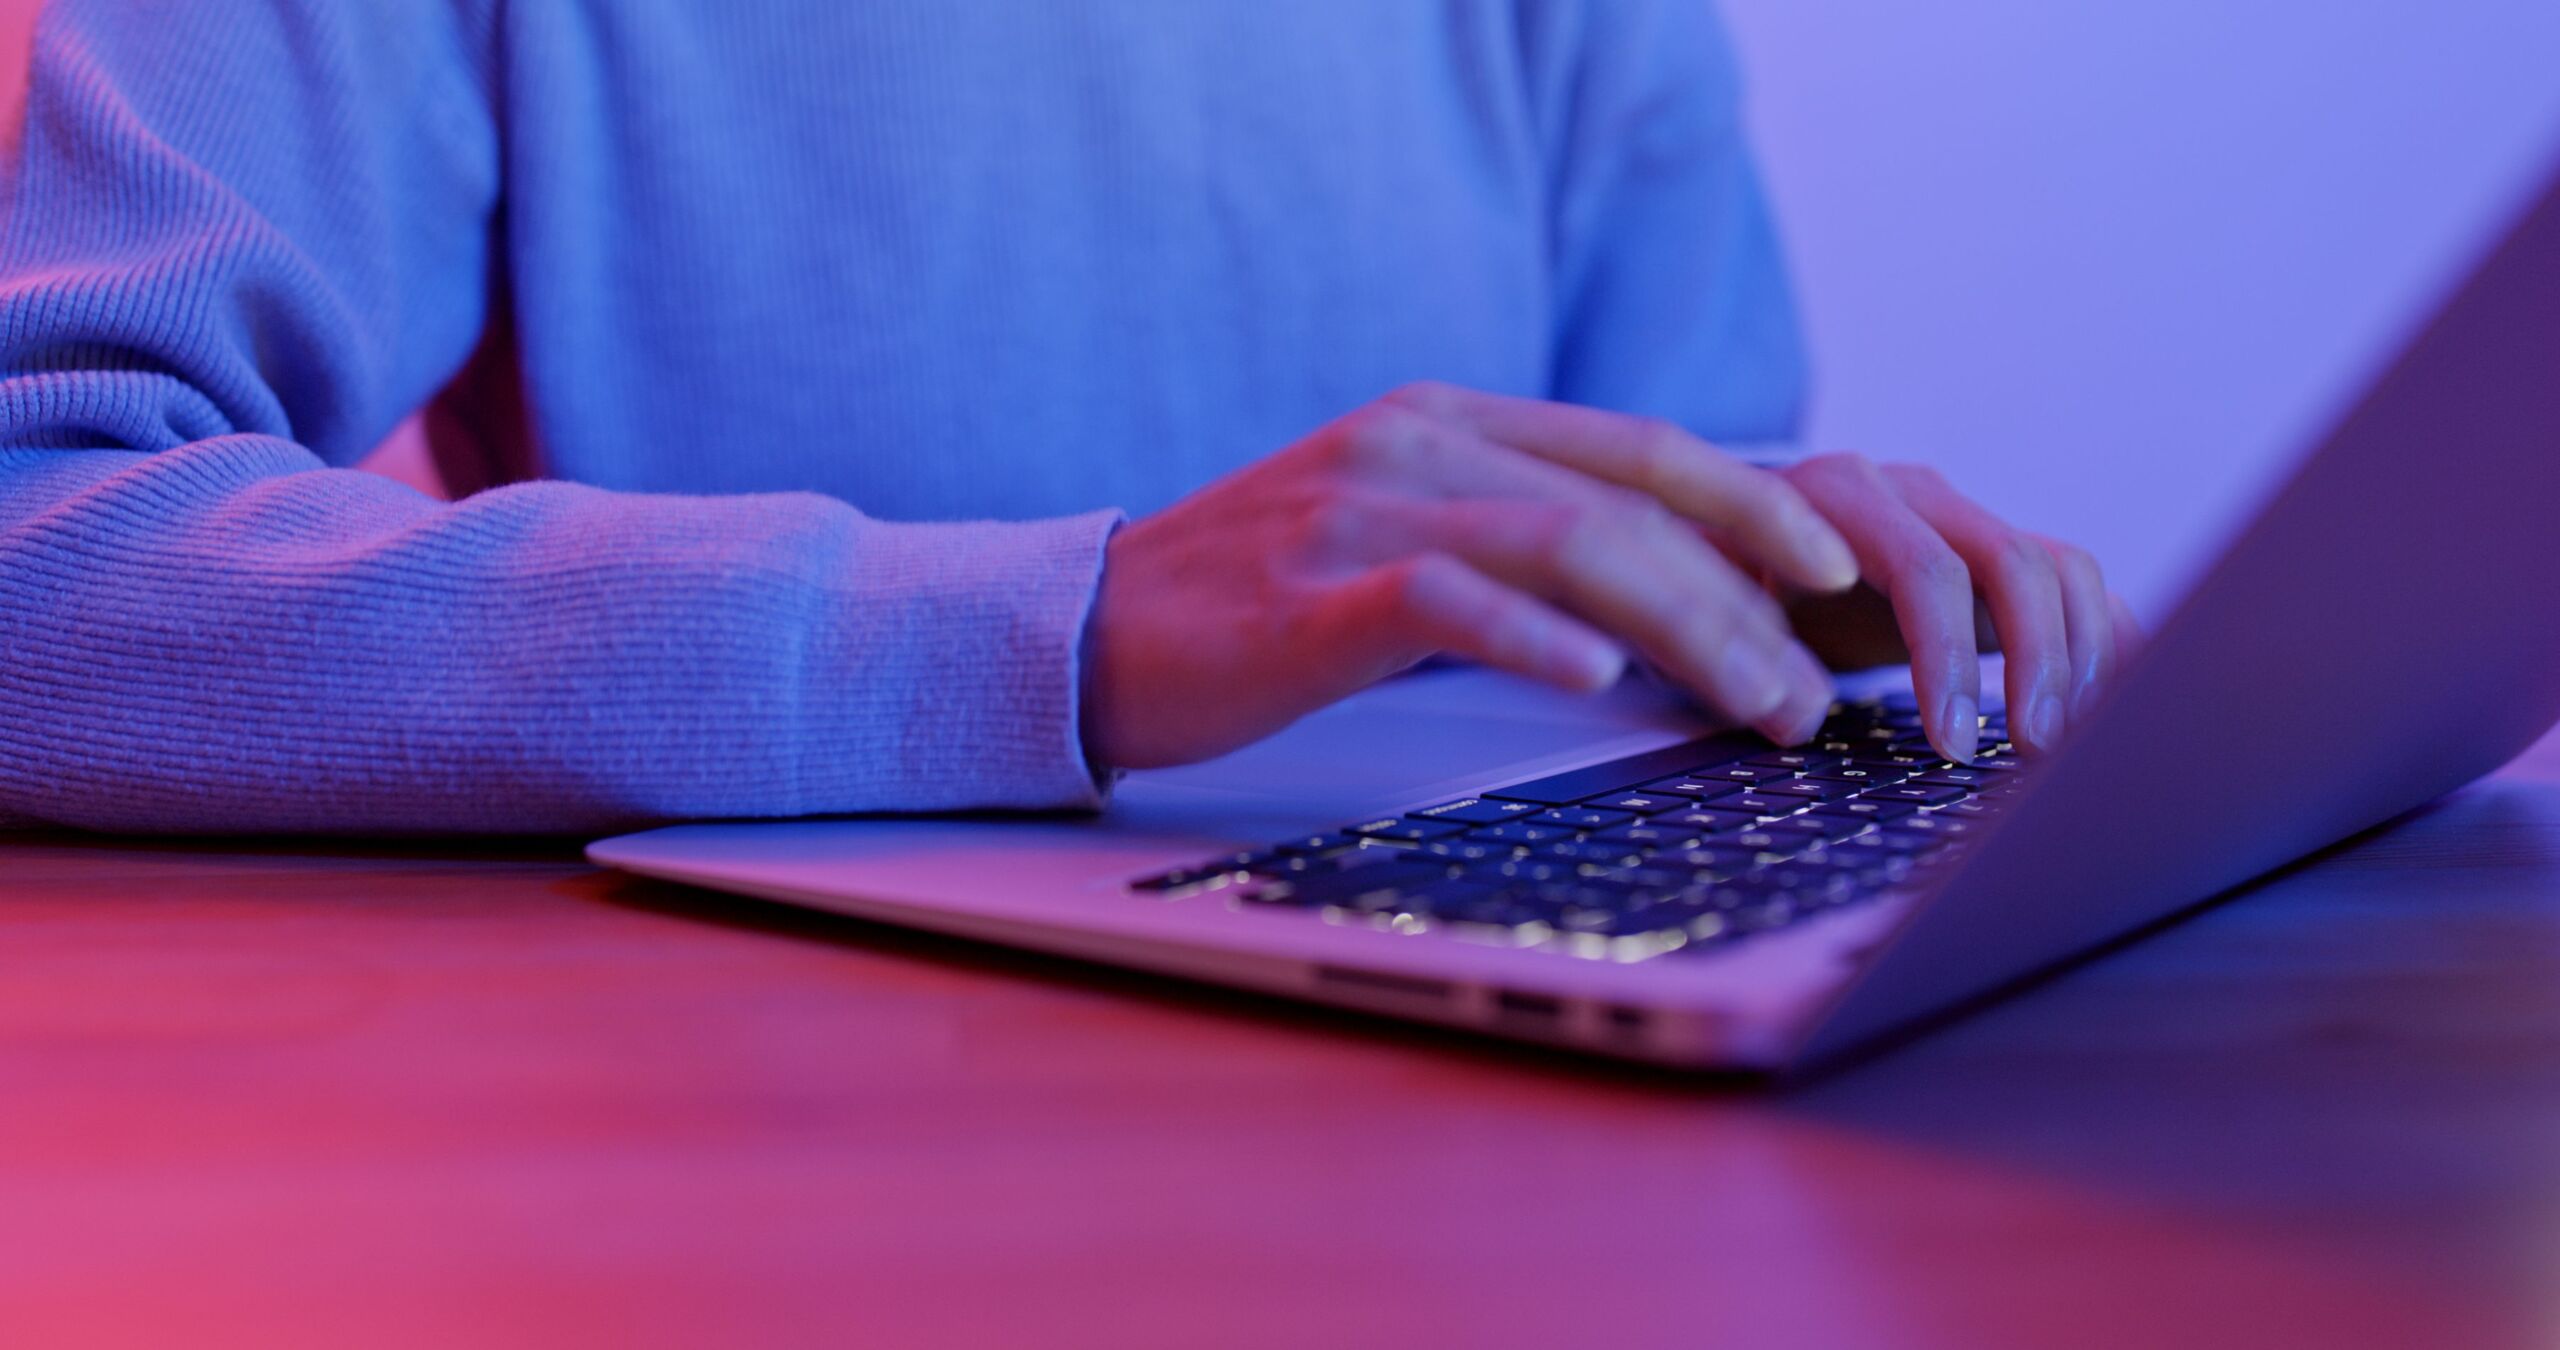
(807, 353)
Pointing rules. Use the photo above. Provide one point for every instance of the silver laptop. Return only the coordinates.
(1612, 876)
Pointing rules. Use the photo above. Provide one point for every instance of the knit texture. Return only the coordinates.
(810, 353)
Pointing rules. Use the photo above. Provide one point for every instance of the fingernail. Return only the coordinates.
(1809, 698)
(1834, 567)
(2084, 695)
(1596, 668)
(1752, 679)
(1963, 723)
(1817, 682)
(2044, 718)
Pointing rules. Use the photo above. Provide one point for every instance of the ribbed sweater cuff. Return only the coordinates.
(985, 713)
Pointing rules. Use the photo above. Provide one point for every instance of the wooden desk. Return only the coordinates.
(388, 1096)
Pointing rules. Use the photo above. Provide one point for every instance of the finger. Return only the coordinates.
(1930, 586)
(1389, 617)
(1766, 521)
(2017, 578)
(1613, 556)
(1644, 577)
(2090, 619)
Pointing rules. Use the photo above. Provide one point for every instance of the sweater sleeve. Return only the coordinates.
(1672, 296)
(241, 241)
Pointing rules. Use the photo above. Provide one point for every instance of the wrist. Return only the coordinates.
(1089, 680)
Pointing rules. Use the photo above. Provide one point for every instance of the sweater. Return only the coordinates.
(794, 360)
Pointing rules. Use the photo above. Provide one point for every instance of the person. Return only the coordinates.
(801, 368)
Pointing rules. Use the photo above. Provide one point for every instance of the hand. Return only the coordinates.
(1927, 553)
(1540, 538)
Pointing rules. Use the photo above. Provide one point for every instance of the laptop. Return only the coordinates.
(1610, 875)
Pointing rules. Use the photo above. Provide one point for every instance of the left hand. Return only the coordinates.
(1945, 580)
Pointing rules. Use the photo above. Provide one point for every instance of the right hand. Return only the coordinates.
(1542, 538)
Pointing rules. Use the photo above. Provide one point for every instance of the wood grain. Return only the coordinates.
(304, 1094)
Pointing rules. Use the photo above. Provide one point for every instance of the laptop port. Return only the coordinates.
(1514, 1003)
(1373, 982)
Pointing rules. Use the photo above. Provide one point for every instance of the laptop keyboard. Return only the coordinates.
(1690, 847)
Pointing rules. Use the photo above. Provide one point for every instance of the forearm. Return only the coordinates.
(229, 638)
(243, 241)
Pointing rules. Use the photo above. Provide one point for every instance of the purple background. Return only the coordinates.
(2110, 263)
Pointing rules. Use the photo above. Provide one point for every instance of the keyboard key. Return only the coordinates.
(1874, 873)
(1649, 836)
(1640, 803)
(1290, 864)
(1820, 827)
(1802, 884)
(1923, 762)
(1365, 853)
(1696, 789)
(1534, 870)
(1863, 777)
(1798, 834)
(1875, 847)
(1609, 922)
(1745, 774)
(1865, 808)
(1810, 789)
(1922, 834)
(1722, 857)
(1369, 887)
(1598, 851)
(1412, 899)
(1492, 907)
(1968, 779)
(1583, 818)
(1331, 841)
(1710, 822)
(1775, 912)
(1474, 811)
(1917, 795)
(1771, 844)
(1181, 878)
(1641, 884)
(1886, 839)
(1466, 849)
(1410, 831)
(1520, 832)
(1940, 824)
(1796, 761)
(1564, 789)
(1761, 804)
(1708, 894)
(1433, 897)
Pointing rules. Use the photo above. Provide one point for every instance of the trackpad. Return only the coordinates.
(1462, 726)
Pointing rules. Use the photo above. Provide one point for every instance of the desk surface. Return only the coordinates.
(422, 1095)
